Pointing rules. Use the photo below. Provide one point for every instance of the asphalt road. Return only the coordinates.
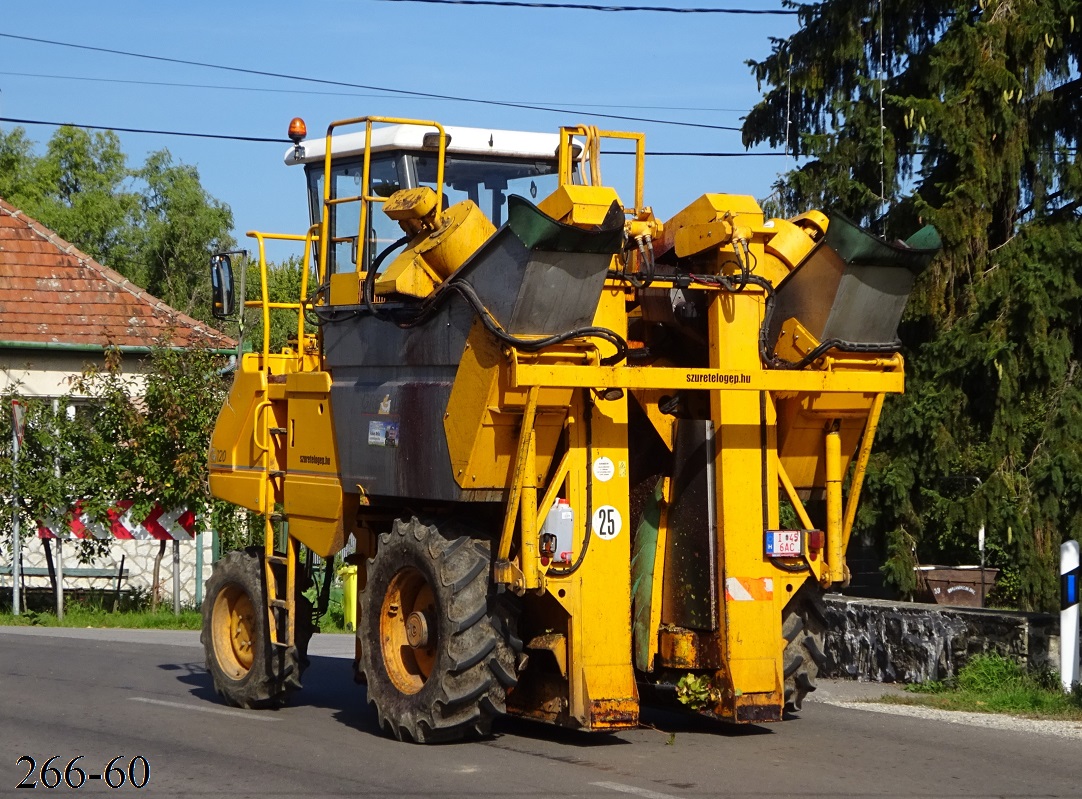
(100, 694)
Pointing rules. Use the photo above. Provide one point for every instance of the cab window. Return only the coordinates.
(489, 182)
(345, 217)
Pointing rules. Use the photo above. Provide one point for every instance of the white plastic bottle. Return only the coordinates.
(560, 522)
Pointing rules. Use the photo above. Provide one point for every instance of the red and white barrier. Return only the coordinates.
(161, 525)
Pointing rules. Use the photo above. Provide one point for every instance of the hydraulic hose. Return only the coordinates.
(324, 315)
(736, 284)
(369, 288)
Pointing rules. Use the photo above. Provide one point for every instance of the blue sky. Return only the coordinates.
(580, 60)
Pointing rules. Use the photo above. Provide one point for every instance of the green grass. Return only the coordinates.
(91, 613)
(134, 619)
(82, 616)
(994, 684)
(95, 610)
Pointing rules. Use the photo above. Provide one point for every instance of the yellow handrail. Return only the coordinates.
(264, 302)
(366, 197)
(592, 137)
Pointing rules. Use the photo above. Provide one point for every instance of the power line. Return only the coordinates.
(328, 82)
(685, 154)
(190, 85)
(188, 134)
(260, 139)
(581, 7)
(216, 86)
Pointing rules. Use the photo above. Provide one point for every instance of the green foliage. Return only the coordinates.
(237, 528)
(995, 684)
(181, 226)
(16, 157)
(787, 517)
(982, 119)
(156, 225)
(147, 445)
(334, 620)
(283, 285)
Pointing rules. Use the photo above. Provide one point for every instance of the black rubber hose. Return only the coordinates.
(535, 345)
(369, 288)
(791, 568)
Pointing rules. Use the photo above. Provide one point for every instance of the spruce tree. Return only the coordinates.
(968, 117)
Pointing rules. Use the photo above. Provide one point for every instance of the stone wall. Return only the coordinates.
(138, 562)
(886, 641)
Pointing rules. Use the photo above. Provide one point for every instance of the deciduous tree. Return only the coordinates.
(156, 224)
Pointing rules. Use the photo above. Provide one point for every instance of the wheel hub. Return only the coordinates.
(234, 630)
(408, 636)
(417, 630)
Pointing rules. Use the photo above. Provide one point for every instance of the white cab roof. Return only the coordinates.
(466, 141)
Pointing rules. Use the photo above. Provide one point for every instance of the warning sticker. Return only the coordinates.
(604, 469)
(383, 434)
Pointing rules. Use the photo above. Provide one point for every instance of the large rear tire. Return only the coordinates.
(804, 628)
(437, 652)
(247, 670)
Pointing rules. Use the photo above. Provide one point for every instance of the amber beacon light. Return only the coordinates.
(297, 130)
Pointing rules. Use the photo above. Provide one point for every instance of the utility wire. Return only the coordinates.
(583, 7)
(218, 86)
(224, 136)
(261, 139)
(328, 82)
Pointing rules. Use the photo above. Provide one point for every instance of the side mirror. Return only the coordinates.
(223, 297)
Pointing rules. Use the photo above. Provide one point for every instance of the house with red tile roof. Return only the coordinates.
(59, 309)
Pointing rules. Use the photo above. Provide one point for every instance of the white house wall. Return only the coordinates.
(46, 374)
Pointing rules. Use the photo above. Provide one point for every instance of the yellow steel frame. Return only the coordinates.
(595, 593)
(365, 198)
(592, 138)
(525, 374)
(741, 390)
(264, 303)
(264, 428)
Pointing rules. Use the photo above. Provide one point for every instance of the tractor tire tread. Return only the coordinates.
(804, 630)
(475, 659)
(274, 672)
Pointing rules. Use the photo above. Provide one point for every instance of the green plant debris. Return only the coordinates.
(697, 691)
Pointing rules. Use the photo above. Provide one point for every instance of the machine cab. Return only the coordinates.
(482, 165)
